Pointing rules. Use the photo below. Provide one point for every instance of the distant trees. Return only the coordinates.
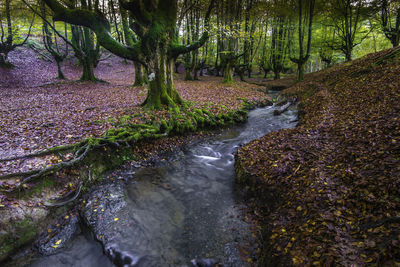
(52, 46)
(9, 34)
(348, 17)
(281, 40)
(390, 20)
(277, 36)
(229, 35)
(305, 22)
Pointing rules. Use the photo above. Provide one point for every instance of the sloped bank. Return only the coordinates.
(327, 191)
(29, 210)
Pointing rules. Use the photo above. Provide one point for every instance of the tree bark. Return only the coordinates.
(228, 72)
(277, 75)
(59, 70)
(139, 75)
(157, 47)
(300, 67)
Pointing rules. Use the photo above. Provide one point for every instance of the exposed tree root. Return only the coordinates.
(64, 200)
(44, 152)
(53, 168)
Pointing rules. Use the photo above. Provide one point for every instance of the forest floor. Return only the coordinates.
(334, 179)
(38, 112)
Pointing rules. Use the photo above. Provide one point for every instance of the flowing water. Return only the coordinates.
(182, 211)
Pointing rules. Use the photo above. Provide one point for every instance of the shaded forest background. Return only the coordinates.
(246, 37)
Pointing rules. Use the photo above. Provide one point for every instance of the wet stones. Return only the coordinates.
(205, 263)
(58, 236)
(101, 208)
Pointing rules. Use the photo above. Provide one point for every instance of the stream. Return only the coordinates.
(182, 212)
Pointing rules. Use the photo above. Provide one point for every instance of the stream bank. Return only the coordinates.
(28, 207)
(334, 179)
(182, 211)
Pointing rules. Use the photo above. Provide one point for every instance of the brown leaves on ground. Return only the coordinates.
(38, 112)
(338, 174)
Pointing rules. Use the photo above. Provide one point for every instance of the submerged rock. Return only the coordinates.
(101, 208)
(205, 263)
(59, 235)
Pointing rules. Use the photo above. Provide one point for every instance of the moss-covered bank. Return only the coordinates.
(327, 191)
(26, 213)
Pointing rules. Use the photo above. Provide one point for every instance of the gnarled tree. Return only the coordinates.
(390, 20)
(53, 47)
(156, 48)
(8, 34)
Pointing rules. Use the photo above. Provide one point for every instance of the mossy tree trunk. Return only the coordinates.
(390, 21)
(155, 24)
(300, 68)
(228, 73)
(7, 43)
(87, 70)
(86, 50)
(130, 39)
(188, 68)
(140, 76)
(161, 88)
(228, 61)
(52, 47)
(59, 70)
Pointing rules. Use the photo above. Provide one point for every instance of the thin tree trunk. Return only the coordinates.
(59, 70)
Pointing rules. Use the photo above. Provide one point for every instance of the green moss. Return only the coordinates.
(25, 231)
(44, 183)
(156, 34)
(7, 245)
(125, 118)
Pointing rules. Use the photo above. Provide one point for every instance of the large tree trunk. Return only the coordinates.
(140, 77)
(162, 91)
(395, 40)
(59, 70)
(196, 74)
(348, 55)
(228, 73)
(188, 74)
(87, 71)
(3, 61)
(155, 24)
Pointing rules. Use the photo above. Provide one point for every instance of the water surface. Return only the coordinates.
(183, 209)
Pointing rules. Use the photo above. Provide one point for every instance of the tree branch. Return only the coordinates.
(97, 23)
(176, 50)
